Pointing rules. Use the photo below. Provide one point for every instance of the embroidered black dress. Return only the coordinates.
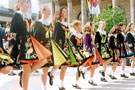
(61, 36)
(130, 39)
(19, 24)
(14, 52)
(113, 46)
(101, 41)
(76, 39)
(43, 34)
(123, 47)
(60, 40)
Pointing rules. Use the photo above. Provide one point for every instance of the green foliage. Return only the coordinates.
(112, 17)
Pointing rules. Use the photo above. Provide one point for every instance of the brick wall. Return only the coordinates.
(126, 7)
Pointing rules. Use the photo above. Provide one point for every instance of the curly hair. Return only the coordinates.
(128, 27)
(57, 15)
(76, 22)
(88, 27)
(39, 15)
(115, 30)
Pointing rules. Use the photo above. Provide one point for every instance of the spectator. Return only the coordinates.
(2, 33)
(7, 28)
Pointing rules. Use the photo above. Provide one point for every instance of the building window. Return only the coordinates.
(119, 8)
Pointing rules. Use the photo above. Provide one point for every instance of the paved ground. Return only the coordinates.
(12, 82)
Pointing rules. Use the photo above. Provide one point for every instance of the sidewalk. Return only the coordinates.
(12, 82)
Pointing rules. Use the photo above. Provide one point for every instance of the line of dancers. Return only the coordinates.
(44, 44)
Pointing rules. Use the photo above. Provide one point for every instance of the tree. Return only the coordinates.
(112, 17)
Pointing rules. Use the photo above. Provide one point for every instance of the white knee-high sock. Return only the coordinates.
(122, 72)
(53, 72)
(62, 83)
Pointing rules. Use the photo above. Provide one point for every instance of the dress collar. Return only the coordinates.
(78, 35)
(63, 23)
(132, 33)
(123, 33)
(102, 32)
(47, 22)
(24, 15)
(113, 35)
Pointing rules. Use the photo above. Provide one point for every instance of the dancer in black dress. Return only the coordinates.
(76, 39)
(124, 50)
(101, 41)
(113, 47)
(43, 34)
(30, 51)
(60, 26)
(130, 39)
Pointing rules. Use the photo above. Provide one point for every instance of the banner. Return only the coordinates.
(93, 6)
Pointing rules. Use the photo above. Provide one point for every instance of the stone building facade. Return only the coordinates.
(77, 6)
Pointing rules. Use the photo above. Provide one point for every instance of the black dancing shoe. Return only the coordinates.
(103, 79)
(77, 86)
(83, 74)
(102, 73)
(12, 74)
(92, 83)
(50, 78)
(123, 75)
(20, 82)
(132, 74)
(62, 88)
(19, 74)
(112, 77)
(36, 71)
